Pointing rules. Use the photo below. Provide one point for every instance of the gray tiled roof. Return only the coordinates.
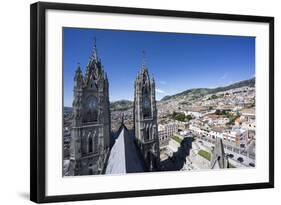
(124, 156)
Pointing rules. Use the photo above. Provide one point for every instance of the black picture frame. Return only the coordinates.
(38, 97)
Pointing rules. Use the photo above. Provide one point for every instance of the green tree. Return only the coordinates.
(188, 117)
(180, 117)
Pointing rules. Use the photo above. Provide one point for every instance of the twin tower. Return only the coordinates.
(91, 128)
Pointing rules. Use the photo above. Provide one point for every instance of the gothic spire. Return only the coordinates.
(152, 79)
(219, 158)
(78, 70)
(78, 78)
(95, 52)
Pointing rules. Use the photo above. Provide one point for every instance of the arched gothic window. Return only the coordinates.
(96, 142)
(90, 145)
(146, 134)
(146, 103)
(91, 171)
(91, 108)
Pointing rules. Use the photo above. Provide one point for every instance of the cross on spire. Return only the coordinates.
(143, 59)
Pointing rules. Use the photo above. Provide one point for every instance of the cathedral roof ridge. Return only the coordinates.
(124, 156)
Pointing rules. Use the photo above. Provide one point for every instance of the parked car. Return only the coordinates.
(240, 159)
(230, 155)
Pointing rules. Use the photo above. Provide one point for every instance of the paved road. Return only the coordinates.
(247, 160)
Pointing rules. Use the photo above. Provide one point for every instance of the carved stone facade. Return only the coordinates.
(91, 129)
(145, 119)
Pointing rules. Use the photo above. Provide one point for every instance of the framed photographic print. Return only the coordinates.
(129, 102)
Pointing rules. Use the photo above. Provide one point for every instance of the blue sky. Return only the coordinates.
(177, 61)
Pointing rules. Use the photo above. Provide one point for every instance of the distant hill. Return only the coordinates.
(67, 109)
(205, 91)
(121, 105)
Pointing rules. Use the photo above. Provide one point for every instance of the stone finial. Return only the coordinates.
(78, 70)
(219, 159)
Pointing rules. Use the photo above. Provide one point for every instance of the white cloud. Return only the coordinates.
(160, 91)
(162, 82)
(224, 76)
(230, 82)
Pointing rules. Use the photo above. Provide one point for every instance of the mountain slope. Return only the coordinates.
(121, 105)
(205, 91)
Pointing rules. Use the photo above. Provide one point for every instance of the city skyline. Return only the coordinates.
(177, 61)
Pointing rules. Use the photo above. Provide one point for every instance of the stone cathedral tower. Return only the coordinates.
(90, 134)
(145, 119)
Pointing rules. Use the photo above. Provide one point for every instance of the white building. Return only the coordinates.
(165, 132)
(194, 114)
